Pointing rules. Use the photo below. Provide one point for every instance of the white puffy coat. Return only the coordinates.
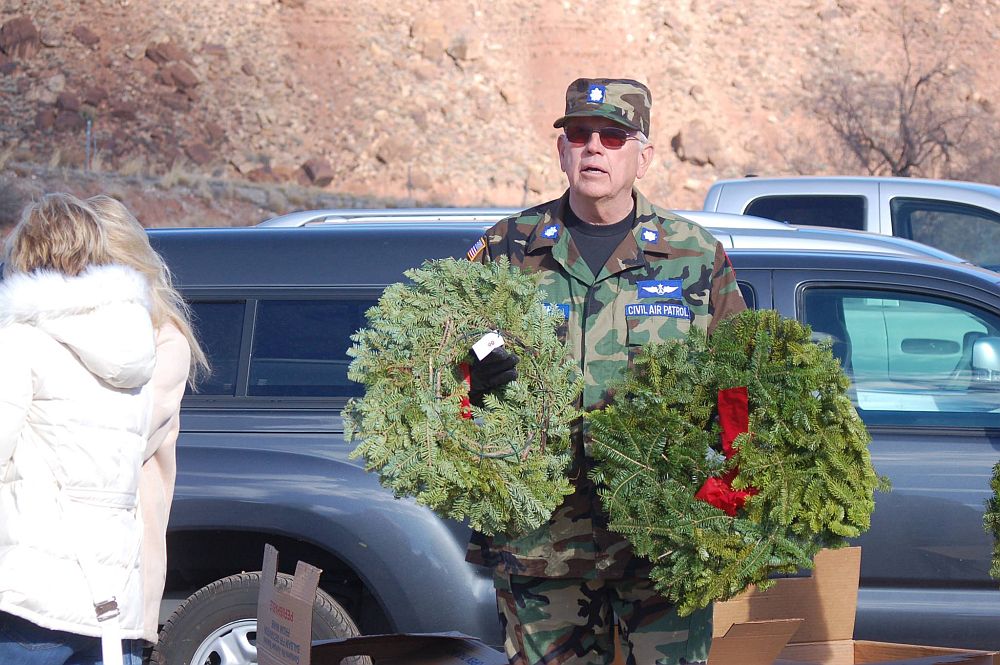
(76, 354)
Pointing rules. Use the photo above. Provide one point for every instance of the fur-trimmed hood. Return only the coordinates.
(101, 314)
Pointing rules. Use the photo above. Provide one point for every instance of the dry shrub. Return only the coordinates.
(12, 201)
(6, 154)
(175, 175)
(203, 190)
(134, 165)
(298, 197)
(97, 163)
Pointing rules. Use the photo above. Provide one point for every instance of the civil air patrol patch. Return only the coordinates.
(661, 288)
(551, 232)
(644, 309)
(476, 249)
(650, 235)
(558, 307)
(595, 94)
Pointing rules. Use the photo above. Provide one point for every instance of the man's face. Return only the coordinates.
(597, 173)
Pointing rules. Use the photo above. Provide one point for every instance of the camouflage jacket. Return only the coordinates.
(665, 276)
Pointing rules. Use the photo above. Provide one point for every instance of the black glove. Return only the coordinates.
(494, 371)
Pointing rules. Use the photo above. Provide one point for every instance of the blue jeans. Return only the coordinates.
(25, 643)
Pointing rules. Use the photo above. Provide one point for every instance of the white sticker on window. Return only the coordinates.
(890, 401)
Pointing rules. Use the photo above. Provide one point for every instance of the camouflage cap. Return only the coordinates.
(625, 101)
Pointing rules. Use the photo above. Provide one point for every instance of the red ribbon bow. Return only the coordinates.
(465, 407)
(734, 417)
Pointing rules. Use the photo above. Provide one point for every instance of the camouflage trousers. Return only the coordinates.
(556, 621)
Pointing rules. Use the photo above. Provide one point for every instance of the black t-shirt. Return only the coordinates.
(596, 242)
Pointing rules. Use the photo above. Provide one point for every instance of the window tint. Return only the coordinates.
(219, 328)
(841, 212)
(748, 295)
(965, 230)
(300, 347)
(910, 356)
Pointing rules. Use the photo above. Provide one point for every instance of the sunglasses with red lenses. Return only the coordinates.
(612, 138)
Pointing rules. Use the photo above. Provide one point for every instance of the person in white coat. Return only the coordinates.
(179, 362)
(77, 348)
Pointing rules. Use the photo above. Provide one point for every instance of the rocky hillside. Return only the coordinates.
(229, 111)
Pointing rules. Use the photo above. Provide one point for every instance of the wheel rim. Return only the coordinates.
(232, 644)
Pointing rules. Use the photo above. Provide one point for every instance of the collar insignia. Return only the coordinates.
(551, 232)
(650, 235)
(561, 308)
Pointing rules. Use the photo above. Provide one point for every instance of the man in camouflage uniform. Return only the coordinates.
(624, 273)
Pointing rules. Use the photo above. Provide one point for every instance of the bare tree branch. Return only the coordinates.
(911, 124)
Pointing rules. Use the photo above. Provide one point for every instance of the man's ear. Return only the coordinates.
(645, 158)
(561, 147)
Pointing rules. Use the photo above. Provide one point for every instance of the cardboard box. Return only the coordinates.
(284, 616)
(752, 642)
(858, 652)
(409, 649)
(798, 621)
(826, 603)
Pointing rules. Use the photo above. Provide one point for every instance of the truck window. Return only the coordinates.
(841, 212)
(300, 347)
(962, 229)
(749, 297)
(219, 328)
(908, 355)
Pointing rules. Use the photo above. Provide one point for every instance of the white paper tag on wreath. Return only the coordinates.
(486, 344)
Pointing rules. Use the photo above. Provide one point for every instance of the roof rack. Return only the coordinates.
(327, 216)
(322, 217)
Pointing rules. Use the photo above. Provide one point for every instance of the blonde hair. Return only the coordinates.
(127, 244)
(58, 232)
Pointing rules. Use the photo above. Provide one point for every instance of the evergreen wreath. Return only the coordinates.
(801, 476)
(501, 466)
(992, 520)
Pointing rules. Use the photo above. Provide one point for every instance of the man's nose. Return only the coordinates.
(594, 142)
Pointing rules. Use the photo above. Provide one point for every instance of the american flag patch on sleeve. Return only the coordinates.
(476, 249)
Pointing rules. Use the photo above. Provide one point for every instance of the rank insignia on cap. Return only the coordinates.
(595, 94)
(551, 232)
(649, 235)
(476, 249)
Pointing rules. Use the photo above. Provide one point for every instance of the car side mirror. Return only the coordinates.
(986, 361)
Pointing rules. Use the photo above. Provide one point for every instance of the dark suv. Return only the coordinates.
(261, 456)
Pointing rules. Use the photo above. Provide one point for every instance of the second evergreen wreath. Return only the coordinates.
(726, 459)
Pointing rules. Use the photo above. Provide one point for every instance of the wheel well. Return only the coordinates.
(198, 558)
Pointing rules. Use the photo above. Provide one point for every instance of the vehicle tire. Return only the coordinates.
(217, 624)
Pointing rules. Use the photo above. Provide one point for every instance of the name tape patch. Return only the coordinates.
(657, 309)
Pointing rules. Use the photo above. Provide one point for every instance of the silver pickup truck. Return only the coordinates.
(962, 218)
